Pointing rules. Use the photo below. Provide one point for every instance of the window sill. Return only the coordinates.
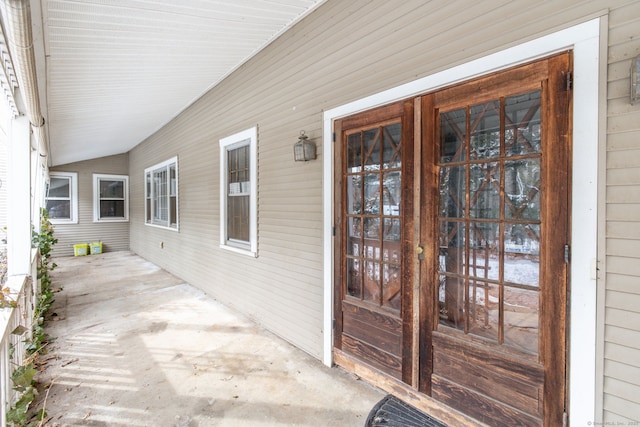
(239, 250)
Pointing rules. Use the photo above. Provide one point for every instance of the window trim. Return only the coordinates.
(247, 137)
(73, 189)
(96, 197)
(166, 165)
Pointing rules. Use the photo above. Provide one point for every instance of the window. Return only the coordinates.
(110, 198)
(238, 192)
(161, 194)
(62, 197)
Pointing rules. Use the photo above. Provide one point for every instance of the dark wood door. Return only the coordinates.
(373, 208)
(495, 222)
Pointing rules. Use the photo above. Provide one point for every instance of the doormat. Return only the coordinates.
(393, 412)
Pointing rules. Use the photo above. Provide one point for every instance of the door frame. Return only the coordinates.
(585, 41)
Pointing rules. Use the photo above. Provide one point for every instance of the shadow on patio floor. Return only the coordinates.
(136, 346)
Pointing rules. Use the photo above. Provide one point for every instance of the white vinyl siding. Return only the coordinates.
(161, 194)
(110, 198)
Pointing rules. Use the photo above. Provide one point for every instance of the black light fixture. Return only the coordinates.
(635, 80)
(304, 150)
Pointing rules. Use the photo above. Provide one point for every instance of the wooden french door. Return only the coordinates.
(372, 211)
(467, 248)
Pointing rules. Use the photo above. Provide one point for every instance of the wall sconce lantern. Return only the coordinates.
(304, 150)
(635, 80)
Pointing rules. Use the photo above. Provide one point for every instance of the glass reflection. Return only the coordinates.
(522, 124)
(522, 189)
(453, 125)
(521, 319)
(372, 150)
(485, 130)
(483, 303)
(391, 149)
(354, 153)
(452, 191)
(484, 190)
(391, 193)
(521, 254)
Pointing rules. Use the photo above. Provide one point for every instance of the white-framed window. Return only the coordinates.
(110, 198)
(239, 192)
(61, 200)
(161, 194)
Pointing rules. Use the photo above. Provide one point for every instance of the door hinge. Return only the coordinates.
(334, 137)
(333, 231)
(333, 324)
(567, 254)
(569, 80)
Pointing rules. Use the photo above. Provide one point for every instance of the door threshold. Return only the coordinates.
(404, 392)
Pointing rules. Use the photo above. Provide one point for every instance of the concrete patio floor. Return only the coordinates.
(136, 346)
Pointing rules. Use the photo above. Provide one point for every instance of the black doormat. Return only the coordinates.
(393, 412)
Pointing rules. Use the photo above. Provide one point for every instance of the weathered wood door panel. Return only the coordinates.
(450, 267)
(496, 276)
(371, 299)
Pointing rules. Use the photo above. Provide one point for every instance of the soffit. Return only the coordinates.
(118, 70)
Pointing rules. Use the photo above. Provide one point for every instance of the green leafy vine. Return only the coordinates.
(23, 377)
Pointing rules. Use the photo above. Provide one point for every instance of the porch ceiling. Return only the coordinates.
(115, 71)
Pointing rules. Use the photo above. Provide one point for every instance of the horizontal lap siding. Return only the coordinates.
(114, 236)
(621, 400)
(340, 53)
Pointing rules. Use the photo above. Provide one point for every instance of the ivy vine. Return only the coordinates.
(23, 377)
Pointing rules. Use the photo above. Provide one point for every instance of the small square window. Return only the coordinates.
(110, 198)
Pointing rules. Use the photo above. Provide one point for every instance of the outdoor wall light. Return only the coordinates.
(635, 80)
(304, 150)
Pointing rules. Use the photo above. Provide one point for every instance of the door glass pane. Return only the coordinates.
(452, 191)
(354, 278)
(354, 153)
(522, 124)
(371, 155)
(453, 125)
(452, 247)
(522, 254)
(371, 288)
(485, 130)
(354, 194)
(483, 303)
(521, 319)
(522, 189)
(391, 193)
(484, 250)
(484, 190)
(372, 228)
(391, 286)
(451, 301)
(372, 194)
(391, 150)
(355, 236)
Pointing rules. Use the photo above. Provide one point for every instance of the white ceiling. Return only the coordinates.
(118, 70)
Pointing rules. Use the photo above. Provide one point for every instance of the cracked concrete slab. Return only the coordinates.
(136, 346)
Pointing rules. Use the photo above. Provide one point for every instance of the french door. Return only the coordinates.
(453, 263)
